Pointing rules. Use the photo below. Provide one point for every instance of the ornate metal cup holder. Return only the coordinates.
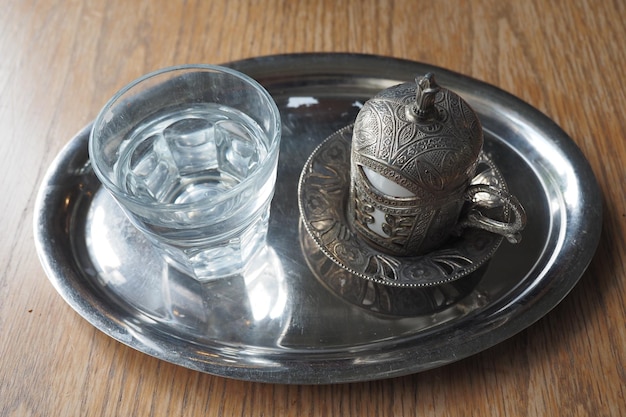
(322, 198)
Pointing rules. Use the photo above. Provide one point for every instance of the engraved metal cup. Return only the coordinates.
(415, 149)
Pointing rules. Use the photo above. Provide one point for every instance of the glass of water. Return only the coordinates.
(190, 154)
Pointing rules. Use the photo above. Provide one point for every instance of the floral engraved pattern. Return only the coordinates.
(398, 228)
(380, 298)
(432, 155)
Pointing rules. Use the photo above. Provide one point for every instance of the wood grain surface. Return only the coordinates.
(60, 60)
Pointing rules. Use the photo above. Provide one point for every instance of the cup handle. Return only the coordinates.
(476, 219)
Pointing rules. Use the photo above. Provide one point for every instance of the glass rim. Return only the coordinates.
(120, 194)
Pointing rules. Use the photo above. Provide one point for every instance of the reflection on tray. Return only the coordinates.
(172, 300)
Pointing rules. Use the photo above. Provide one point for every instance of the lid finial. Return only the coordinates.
(426, 91)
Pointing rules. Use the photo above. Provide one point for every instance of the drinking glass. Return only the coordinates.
(190, 154)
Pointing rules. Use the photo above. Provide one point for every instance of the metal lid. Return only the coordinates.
(421, 136)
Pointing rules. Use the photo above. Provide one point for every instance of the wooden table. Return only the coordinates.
(61, 59)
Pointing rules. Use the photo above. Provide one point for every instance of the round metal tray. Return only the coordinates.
(298, 318)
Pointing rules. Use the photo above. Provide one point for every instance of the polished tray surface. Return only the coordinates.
(299, 318)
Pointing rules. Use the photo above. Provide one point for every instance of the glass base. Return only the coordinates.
(219, 259)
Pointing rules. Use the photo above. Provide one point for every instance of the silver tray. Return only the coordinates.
(300, 318)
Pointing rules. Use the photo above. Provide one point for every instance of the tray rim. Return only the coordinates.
(321, 372)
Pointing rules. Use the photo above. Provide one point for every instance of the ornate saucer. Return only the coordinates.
(323, 191)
